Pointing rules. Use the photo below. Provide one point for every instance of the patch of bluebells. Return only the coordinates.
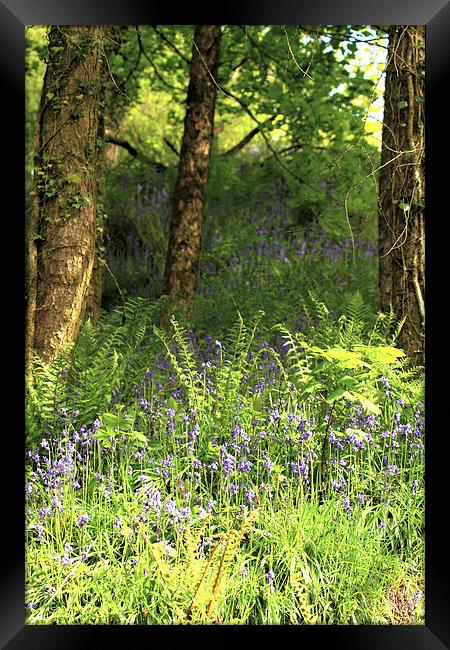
(240, 462)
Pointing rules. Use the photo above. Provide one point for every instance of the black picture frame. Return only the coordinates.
(14, 15)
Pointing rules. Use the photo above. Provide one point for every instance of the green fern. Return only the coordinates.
(183, 362)
(230, 373)
(105, 359)
(356, 309)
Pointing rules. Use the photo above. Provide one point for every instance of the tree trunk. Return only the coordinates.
(181, 272)
(94, 296)
(401, 189)
(62, 233)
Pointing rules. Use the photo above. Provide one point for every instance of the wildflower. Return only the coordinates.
(337, 487)
(346, 506)
(193, 433)
(270, 576)
(250, 495)
(185, 512)
(415, 601)
(386, 385)
(392, 470)
(244, 466)
(82, 520)
(168, 546)
(57, 503)
(413, 485)
(228, 464)
(44, 511)
(210, 505)
(274, 416)
(39, 530)
(304, 467)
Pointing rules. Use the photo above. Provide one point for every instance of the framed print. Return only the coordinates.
(224, 372)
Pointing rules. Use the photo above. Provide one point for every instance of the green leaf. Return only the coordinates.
(345, 358)
(359, 433)
(337, 394)
(138, 435)
(312, 385)
(383, 354)
(367, 404)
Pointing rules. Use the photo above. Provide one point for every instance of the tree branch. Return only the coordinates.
(111, 139)
(173, 47)
(172, 147)
(155, 69)
(241, 144)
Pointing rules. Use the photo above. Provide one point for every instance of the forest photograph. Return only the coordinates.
(225, 324)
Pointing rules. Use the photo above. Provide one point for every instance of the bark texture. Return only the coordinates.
(181, 271)
(62, 233)
(401, 228)
(94, 295)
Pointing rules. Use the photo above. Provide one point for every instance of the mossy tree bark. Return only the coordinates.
(62, 233)
(181, 270)
(401, 232)
(94, 295)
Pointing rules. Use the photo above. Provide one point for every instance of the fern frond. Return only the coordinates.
(186, 370)
(235, 363)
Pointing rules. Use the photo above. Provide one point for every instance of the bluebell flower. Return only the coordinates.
(346, 506)
(82, 520)
(250, 495)
(393, 470)
(228, 464)
(270, 576)
(244, 466)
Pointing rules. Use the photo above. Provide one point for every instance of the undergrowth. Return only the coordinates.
(271, 477)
